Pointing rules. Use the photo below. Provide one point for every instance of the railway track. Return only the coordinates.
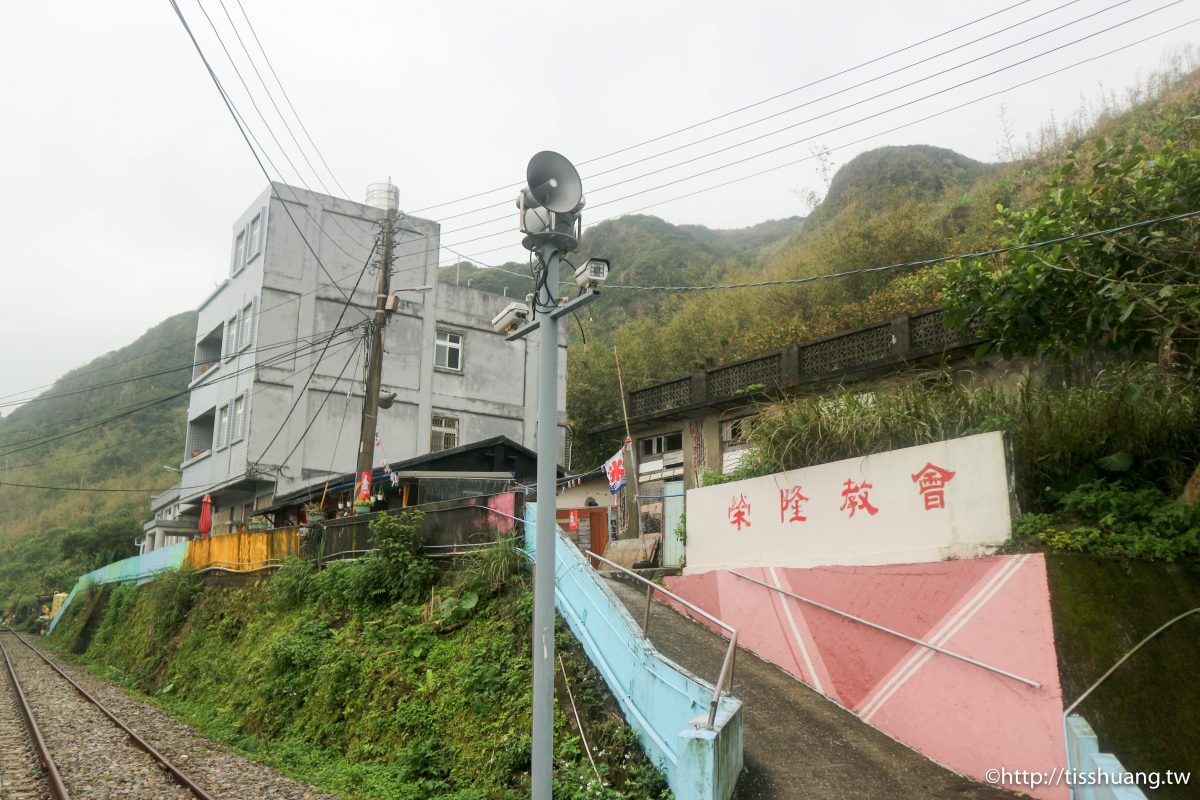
(58, 741)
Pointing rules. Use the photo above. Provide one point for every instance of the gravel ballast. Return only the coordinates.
(97, 760)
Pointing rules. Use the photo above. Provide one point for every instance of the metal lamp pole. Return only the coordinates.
(547, 506)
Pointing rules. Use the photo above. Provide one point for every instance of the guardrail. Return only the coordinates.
(725, 679)
(1081, 731)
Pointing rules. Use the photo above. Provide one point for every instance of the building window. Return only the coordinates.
(239, 419)
(244, 328)
(447, 351)
(231, 335)
(735, 433)
(444, 435)
(667, 443)
(199, 436)
(253, 235)
(222, 426)
(239, 253)
(208, 352)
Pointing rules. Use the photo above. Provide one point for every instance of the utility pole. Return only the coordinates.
(370, 414)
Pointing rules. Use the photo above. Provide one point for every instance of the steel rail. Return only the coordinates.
(54, 781)
(725, 679)
(175, 773)
(884, 629)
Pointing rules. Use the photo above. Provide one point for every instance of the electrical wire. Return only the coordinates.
(126, 411)
(188, 341)
(869, 137)
(755, 104)
(288, 100)
(822, 133)
(261, 116)
(827, 96)
(169, 370)
(300, 393)
(332, 391)
(245, 136)
(927, 262)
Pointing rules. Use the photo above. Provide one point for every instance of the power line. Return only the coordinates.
(922, 263)
(814, 100)
(267, 125)
(167, 371)
(288, 99)
(246, 137)
(317, 413)
(864, 138)
(300, 393)
(755, 104)
(38, 441)
(830, 130)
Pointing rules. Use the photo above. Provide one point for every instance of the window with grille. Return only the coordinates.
(444, 435)
(447, 352)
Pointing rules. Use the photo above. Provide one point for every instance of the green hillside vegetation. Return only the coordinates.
(47, 537)
(876, 218)
(643, 250)
(381, 678)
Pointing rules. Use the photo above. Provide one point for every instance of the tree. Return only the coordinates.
(1133, 289)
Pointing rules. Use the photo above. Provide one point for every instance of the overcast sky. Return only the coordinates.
(122, 172)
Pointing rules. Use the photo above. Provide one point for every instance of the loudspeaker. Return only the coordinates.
(553, 183)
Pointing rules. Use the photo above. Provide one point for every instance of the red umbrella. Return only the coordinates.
(205, 516)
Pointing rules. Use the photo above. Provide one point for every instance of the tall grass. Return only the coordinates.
(1133, 421)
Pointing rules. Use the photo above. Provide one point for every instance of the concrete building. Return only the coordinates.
(259, 335)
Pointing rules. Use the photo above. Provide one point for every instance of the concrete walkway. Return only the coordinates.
(798, 744)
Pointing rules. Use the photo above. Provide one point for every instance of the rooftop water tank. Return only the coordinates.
(384, 196)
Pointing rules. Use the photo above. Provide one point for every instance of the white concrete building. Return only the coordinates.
(260, 332)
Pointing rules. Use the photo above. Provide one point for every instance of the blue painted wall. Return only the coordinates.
(135, 569)
(666, 705)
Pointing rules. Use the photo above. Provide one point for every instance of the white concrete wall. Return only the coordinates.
(494, 394)
(975, 516)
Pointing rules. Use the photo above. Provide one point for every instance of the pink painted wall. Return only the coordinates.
(995, 610)
(506, 504)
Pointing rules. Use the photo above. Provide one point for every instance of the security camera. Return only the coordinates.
(593, 273)
(508, 319)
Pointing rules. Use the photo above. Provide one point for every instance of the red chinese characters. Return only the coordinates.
(856, 496)
(931, 482)
(791, 501)
(739, 511)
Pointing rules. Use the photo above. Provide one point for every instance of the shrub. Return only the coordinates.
(1117, 520)
(1135, 420)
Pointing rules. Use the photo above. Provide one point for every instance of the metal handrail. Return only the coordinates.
(885, 629)
(1105, 676)
(726, 677)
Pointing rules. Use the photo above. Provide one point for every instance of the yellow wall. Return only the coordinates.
(243, 551)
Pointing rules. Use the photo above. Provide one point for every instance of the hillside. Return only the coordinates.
(918, 172)
(91, 430)
(887, 206)
(642, 250)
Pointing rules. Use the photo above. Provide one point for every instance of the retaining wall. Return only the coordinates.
(995, 610)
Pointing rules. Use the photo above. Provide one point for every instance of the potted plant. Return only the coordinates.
(361, 507)
(259, 524)
(314, 511)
